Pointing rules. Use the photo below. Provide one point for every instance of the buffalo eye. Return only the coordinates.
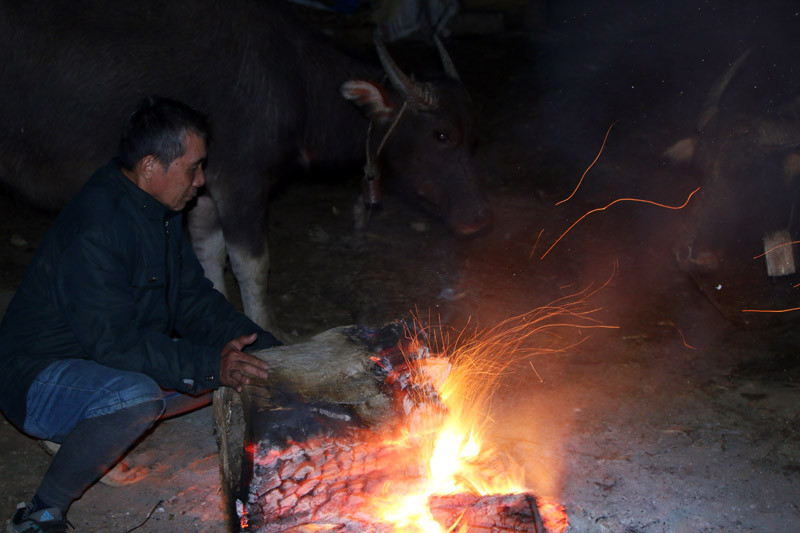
(441, 136)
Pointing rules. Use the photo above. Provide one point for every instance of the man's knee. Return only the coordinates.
(71, 390)
(127, 389)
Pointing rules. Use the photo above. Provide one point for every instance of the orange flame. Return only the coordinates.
(456, 457)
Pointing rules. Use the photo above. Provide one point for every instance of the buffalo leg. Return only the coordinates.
(251, 271)
(238, 226)
(208, 241)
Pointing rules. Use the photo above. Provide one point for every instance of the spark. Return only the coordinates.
(775, 248)
(536, 243)
(536, 372)
(673, 324)
(590, 166)
(771, 310)
(684, 341)
(675, 208)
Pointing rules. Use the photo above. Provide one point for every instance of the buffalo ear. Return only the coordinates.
(791, 167)
(369, 96)
(682, 151)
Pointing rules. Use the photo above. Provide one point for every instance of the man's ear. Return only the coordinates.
(371, 97)
(147, 165)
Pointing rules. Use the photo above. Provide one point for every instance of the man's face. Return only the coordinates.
(176, 185)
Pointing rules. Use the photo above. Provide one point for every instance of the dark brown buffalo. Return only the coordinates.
(748, 163)
(277, 94)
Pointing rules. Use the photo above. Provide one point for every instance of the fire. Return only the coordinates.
(457, 464)
(450, 442)
(440, 470)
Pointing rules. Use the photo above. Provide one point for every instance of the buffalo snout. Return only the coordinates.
(470, 222)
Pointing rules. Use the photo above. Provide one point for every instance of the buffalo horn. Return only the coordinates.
(447, 62)
(711, 104)
(414, 93)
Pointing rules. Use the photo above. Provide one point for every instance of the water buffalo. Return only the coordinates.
(748, 162)
(278, 95)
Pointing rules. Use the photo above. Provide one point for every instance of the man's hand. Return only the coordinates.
(238, 368)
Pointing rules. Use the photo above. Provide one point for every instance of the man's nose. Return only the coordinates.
(199, 178)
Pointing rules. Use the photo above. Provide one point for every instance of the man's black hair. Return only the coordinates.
(158, 128)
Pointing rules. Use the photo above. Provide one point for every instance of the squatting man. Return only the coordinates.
(114, 325)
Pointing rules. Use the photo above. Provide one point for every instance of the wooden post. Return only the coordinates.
(779, 253)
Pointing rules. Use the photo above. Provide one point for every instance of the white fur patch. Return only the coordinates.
(251, 274)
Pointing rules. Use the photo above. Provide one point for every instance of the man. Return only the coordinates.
(114, 309)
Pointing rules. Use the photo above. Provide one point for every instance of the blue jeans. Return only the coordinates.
(71, 390)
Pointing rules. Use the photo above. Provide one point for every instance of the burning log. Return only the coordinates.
(330, 367)
(495, 513)
(340, 484)
(346, 446)
(323, 482)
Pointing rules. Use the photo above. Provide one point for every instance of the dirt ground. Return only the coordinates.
(681, 419)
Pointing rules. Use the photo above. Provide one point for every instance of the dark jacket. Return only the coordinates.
(116, 281)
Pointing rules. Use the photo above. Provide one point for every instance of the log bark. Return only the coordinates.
(330, 367)
(229, 430)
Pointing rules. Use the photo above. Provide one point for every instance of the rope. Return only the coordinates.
(370, 169)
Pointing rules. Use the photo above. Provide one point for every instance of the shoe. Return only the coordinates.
(42, 521)
(50, 447)
(120, 476)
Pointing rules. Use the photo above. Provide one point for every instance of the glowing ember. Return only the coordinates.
(553, 515)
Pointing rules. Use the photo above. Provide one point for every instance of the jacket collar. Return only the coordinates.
(151, 207)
